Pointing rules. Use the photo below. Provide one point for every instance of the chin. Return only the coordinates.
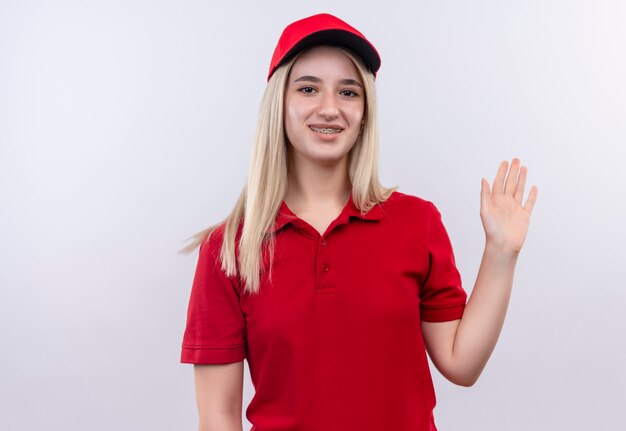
(329, 159)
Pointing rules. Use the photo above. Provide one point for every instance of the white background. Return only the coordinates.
(126, 126)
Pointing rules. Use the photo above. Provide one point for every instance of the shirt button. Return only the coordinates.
(325, 267)
(323, 243)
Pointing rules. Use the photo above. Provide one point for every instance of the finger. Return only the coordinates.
(511, 179)
(484, 192)
(498, 181)
(521, 183)
(532, 198)
(485, 197)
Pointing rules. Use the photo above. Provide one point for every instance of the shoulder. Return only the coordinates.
(410, 214)
(215, 236)
(220, 261)
(414, 216)
(404, 203)
(210, 247)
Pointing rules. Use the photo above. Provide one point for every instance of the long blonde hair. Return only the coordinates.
(266, 186)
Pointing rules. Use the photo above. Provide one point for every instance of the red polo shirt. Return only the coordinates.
(335, 343)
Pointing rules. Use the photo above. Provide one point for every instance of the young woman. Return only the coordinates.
(332, 286)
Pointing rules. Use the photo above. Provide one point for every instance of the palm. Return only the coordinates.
(504, 218)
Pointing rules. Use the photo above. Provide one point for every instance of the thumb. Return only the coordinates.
(484, 191)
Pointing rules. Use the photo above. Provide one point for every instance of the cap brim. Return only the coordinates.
(338, 37)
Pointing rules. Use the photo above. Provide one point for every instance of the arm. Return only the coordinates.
(219, 392)
(461, 348)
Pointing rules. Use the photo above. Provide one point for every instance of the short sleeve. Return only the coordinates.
(215, 332)
(442, 296)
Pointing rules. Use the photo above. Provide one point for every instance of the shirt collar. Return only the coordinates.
(286, 216)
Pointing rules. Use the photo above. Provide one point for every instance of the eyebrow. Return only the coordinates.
(317, 80)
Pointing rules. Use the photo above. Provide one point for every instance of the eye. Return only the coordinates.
(349, 93)
(306, 90)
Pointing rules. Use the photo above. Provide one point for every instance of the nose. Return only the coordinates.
(328, 106)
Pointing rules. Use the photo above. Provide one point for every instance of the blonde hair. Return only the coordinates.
(266, 186)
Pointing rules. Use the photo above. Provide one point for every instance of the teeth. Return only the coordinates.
(325, 130)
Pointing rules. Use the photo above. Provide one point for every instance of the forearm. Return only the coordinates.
(484, 314)
(221, 422)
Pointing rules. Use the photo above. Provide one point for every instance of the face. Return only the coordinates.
(324, 106)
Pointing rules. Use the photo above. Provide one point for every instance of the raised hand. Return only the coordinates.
(504, 218)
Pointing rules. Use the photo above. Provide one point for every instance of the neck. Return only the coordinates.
(313, 186)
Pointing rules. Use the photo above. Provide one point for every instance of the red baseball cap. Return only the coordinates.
(321, 29)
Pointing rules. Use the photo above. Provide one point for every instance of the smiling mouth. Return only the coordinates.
(325, 130)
